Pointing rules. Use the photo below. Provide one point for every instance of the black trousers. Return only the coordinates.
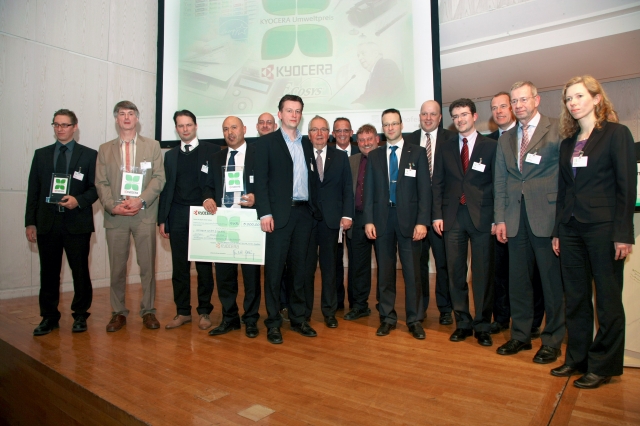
(587, 255)
(323, 244)
(181, 276)
(76, 247)
(227, 276)
(340, 285)
(287, 245)
(359, 263)
(435, 242)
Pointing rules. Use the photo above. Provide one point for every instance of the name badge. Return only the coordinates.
(533, 158)
(251, 179)
(205, 169)
(478, 167)
(580, 161)
(145, 165)
(311, 165)
(410, 172)
(78, 175)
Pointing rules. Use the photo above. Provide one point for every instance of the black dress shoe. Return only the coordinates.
(331, 322)
(591, 381)
(274, 335)
(513, 346)
(79, 324)
(497, 327)
(445, 318)
(304, 329)
(46, 326)
(251, 330)
(484, 338)
(546, 355)
(356, 313)
(417, 331)
(564, 371)
(535, 333)
(384, 329)
(460, 334)
(225, 327)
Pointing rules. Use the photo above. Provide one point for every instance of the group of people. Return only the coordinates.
(546, 205)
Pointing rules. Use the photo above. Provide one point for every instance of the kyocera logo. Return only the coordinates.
(267, 72)
(202, 213)
(297, 70)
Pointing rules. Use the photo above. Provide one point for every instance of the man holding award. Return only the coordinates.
(129, 177)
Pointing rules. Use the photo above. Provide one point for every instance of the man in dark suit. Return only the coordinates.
(186, 167)
(397, 204)
(525, 207)
(430, 137)
(238, 155)
(335, 201)
(379, 91)
(463, 211)
(66, 225)
(285, 192)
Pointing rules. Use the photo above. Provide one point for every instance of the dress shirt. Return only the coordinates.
(348, 150)
(300, 173)
(500, 131)
(239, 160)
(471, 142)
(123, 151)
(194, 144)
(532, 127)
(423, 140)
(399, 144)
(56, 152)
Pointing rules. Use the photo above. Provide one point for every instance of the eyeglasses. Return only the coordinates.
(232, 222)
(394, 124)
(463, 115)
(63, 126)
(340, 131)
(521, 100)
(321, 129)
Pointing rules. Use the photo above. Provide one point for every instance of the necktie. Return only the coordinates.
(187, 148)
(428, 148)
(464, 157)
(524, 143)
(360, 184)
(319, 164)
(231, 167)
(393, 174)
(127, 158)
(61, 163)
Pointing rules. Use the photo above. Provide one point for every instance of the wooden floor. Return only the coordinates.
(344, 376)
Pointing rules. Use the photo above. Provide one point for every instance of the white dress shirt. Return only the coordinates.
(239, 160)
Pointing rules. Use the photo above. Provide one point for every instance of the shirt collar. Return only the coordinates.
(399, 144)
(511, 126)
(135, 139)
(534, 121)
(288, 139)
(194, 144)
(70, 145)
(241, 149)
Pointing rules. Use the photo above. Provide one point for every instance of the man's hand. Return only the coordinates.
(622, 250)
(370, 231)
(164, 234)
(266, 223)
(122, 210)
(438, 226)
(501, 232)
(210, 205)
(247, 200)
(345, 223)
(69, 202)
(30, 231)
(555, 245)
(419, 232)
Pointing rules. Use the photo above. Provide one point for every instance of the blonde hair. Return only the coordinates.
(519, 84)
(569, 125)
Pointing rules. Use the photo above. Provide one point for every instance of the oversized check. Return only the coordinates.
(229, 236)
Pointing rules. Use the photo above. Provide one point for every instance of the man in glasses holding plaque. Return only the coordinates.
(59, 217)
(129, 177)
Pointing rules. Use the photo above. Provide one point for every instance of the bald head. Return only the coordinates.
(233, 130)
(266, 124)
(430, 116)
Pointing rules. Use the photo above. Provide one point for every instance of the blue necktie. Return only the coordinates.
(393, 174)
(231, 167)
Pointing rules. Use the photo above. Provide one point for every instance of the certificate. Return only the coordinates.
(229, 236)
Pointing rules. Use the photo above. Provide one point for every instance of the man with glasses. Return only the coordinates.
(186, 168)
(266, 124)
(126, 216)
(335, 202)
(463, 212)
(285, 192)
(65, 226)
(397, 207)
(525, 207)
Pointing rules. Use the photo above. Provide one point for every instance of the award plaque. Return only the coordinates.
(232, 185)
(60, 183)
(131, 183)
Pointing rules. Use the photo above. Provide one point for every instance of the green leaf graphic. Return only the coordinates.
(136, 178)
(221, 236)
(234, 221)
(128, 178)
(233, 237)
(222, 221)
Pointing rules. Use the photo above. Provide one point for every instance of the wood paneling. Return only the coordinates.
(15, 251)
(19, 18)
(133, 33)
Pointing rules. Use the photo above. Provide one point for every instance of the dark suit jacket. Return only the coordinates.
(449, 183)
(273, 178)
(443, 135)
(335, 194)
(205, 153)
(354, 147)
(214, 180)
(605, 190)
(494, 135)
(41, 213)
(413, 194)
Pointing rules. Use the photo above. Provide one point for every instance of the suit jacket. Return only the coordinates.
(214, 182)
(605, 190)
(443, 135)
(109, 179)
(413, 194)
(335, 192)
(354, 147)
(449, 183)
(273, 181)
(354, 164)
(205, 156)
(40, 213)
(537, 182)
(495, 135)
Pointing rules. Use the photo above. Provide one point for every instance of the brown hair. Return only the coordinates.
(569, 125)
(367, 128)
(67, 113)
(125, 105)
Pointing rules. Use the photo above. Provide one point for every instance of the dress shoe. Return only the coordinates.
(591, 381)
(274, 335)
(564, 371)
(535, 333)
(79, 324)
(177, 321)
(497, 327)
(356, 313)
(205, 322)
(251, 330)
(284, 313)
(117, 322)
(304, 329)
(150, 321)
(546, 355)
(512, 347)
(46, 326)
(461, 334)
(225, 327)
(417, 331)
(384, 329)
(331, 322)
(445, 318)
(484, 338)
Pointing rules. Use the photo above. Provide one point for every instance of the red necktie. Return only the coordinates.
(464, 157)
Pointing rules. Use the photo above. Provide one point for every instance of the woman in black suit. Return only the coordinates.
(594, 229)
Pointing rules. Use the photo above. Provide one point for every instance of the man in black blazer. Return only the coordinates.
(186, 167)
(239, 154)
(64, 226)
(285, 192)
(397, 204)
(463, 211)
(335, 201)
(430, 137)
